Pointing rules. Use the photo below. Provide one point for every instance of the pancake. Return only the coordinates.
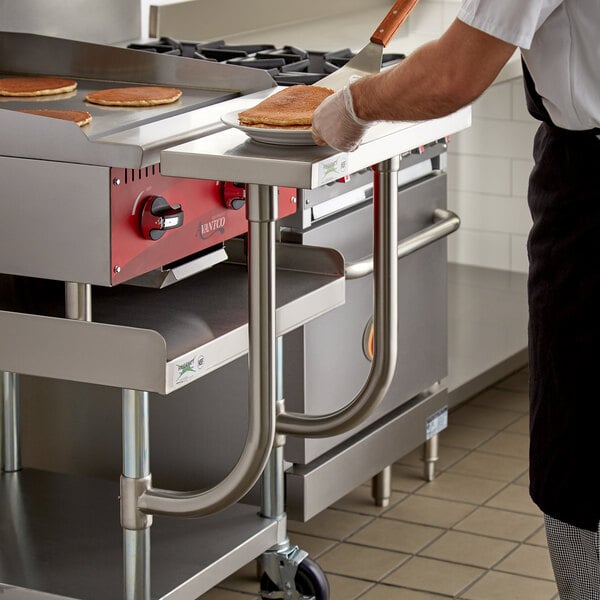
(35, 86)
(290, 108)
(81, 117)
(134, 96)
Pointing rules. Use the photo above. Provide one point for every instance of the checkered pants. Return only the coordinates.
(575, 556)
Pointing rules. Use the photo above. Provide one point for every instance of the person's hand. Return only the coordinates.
(335, 123)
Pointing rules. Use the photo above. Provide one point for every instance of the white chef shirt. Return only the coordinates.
(559, 42)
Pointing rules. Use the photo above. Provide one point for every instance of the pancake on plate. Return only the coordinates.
(135, 96)
(290, 108)
(35, 86)
(81, 117)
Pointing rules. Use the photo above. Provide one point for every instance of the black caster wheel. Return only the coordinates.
(310, 581)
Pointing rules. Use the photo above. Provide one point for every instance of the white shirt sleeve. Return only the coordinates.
(514, 21)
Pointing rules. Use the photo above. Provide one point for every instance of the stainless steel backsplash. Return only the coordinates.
(104, 21)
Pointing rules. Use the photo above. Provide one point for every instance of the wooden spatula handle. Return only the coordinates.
(392, 21)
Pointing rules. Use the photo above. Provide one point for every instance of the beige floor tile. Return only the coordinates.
(447, 457)
(514, 497)
(353, 560)
(429, 575)
(346, 588)
(469, 549)
(490, 466)
(332, 524)
(501, 398)
(430, 511)
(482, 416)
(463, 436)
(406, 478)
(361, 501)
(463, 488)
(518, 381)
(539, 538)
(531, 561)
(503, 586)
(386, 592)
(505, 443)
(315, 546)
(502, 524)
(523, 480)
(221, 594)
(396, 535)
(519, 426)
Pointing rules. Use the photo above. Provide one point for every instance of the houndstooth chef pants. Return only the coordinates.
(575, 556)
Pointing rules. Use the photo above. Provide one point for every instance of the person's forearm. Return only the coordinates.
(415, 90)
(435, 80)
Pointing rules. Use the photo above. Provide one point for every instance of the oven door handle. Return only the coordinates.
(445, 222)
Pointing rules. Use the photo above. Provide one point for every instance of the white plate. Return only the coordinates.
(280, 137)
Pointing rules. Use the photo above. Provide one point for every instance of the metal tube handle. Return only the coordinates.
(445, 223)
(262, 393)
(385, 319)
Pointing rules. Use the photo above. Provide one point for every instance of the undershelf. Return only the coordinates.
(60, 535)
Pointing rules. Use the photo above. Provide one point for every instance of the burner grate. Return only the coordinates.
(288, 65)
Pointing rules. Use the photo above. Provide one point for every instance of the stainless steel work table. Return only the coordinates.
(231, 156)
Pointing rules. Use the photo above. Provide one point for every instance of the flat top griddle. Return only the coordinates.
(128, 137)
(107, 120)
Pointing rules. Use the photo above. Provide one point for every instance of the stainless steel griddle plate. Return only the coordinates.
(94, 67)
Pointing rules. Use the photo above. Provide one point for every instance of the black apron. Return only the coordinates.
(564, 319)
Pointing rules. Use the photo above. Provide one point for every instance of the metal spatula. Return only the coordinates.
(368, 60)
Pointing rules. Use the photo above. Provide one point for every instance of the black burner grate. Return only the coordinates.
(287, 65)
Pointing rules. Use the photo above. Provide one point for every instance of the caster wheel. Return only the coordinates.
(310, 581)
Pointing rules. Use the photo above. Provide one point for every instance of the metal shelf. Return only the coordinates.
(62, 540)
(161, 340)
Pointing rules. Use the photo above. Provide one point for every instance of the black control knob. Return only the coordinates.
(159, 216)
(234, 195)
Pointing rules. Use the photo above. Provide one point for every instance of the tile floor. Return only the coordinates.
(472, 533)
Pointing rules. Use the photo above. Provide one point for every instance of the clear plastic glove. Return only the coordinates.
(335, 123)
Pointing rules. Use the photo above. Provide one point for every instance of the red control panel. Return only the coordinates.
(157, 220)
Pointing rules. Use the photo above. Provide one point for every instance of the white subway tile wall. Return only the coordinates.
(489, 167)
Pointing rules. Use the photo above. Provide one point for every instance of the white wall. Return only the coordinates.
(488, 169)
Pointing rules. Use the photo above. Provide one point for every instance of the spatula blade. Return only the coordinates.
(368, 60)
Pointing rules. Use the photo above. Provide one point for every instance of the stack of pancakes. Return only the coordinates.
(290, 108)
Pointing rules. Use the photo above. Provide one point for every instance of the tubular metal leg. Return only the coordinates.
(273, 482)
(280, 562)
(11, 426)
(136, 463)
(136, 466)
(431, 456)
(78, 301)
(381, 487)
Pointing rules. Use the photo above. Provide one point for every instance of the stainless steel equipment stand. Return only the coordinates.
(289, 573)
(230, 155)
